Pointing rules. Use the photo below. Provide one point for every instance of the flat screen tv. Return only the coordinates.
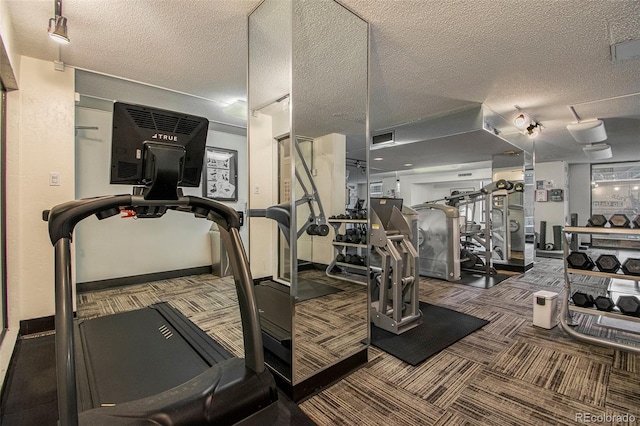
(156, 147)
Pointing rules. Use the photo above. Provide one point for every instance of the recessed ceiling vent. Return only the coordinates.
(383, 138)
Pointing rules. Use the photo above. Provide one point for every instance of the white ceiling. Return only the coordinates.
(427, 57)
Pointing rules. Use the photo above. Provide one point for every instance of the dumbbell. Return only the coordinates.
(580, 260)
(619, 220)
(582, 300)
(340, 258)
(347, 258)
(341, 238)
(604, 303)
(629, 305)
(597, 220)
(631, 266)
(608, 263)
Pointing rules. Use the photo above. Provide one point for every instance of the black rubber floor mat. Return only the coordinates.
(440, 328)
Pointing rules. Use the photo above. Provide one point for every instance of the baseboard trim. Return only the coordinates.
(37, 325)
(140, 279)
(323, 379)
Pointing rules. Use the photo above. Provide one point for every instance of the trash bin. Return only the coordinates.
(219, 259)
(544, 309)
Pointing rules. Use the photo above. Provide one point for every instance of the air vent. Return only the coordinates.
(162, 122)
(141, 118)
(464, 174)
(127, 170)
(383, 138)
(165, 123)
(186, 127)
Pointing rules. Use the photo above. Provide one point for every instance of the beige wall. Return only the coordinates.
(262, 231)
(44, 144)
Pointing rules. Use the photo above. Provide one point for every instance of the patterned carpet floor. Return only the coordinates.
(507, 373)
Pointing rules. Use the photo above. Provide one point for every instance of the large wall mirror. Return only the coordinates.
(308, 102)
(468, 173)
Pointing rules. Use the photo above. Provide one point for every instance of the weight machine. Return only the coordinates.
(394, 286)
(449, 233)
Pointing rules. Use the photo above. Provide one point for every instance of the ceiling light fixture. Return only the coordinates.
(534, 129)
(526, 124)
(58, 25)
(522, 120)
(587, 131)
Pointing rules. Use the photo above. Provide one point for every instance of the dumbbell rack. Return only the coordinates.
(346, 269)
(566, 320)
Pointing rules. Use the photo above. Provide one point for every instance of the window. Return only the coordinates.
(615, 189)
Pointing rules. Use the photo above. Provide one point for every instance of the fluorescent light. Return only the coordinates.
(238, 109)
(408, 164)
(378, 159)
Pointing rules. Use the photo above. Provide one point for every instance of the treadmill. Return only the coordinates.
(153, 365)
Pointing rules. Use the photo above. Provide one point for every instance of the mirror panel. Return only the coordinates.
(308, 100)
(329, 109)
(270, 177)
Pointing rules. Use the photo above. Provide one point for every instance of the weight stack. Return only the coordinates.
(543, 235)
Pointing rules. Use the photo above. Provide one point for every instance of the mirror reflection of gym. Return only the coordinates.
(314, 322)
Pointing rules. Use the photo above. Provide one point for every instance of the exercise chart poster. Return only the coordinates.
(221, 175)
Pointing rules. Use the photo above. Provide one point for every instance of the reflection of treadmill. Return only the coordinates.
(274, 303)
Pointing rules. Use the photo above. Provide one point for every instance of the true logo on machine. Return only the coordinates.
(165, 137)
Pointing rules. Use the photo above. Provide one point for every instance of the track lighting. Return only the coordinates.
(526, 124)
(58, 25)
(534, 129)
(522, 120)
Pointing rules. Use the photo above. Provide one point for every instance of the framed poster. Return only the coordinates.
(221, 174)
(541, 195)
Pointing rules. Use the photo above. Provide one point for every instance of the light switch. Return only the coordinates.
(54, 179)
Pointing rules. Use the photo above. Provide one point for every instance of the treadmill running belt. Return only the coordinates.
(136, 354)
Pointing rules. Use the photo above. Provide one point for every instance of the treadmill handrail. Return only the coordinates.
(62, 220)
(64, 217)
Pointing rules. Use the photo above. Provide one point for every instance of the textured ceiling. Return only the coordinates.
(427, 57)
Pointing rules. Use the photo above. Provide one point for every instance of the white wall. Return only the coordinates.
(418, 188)
(580, 191)
(117, 247)
(262, 231)
(553, 212)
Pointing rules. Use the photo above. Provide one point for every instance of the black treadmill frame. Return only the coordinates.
(62, 220)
